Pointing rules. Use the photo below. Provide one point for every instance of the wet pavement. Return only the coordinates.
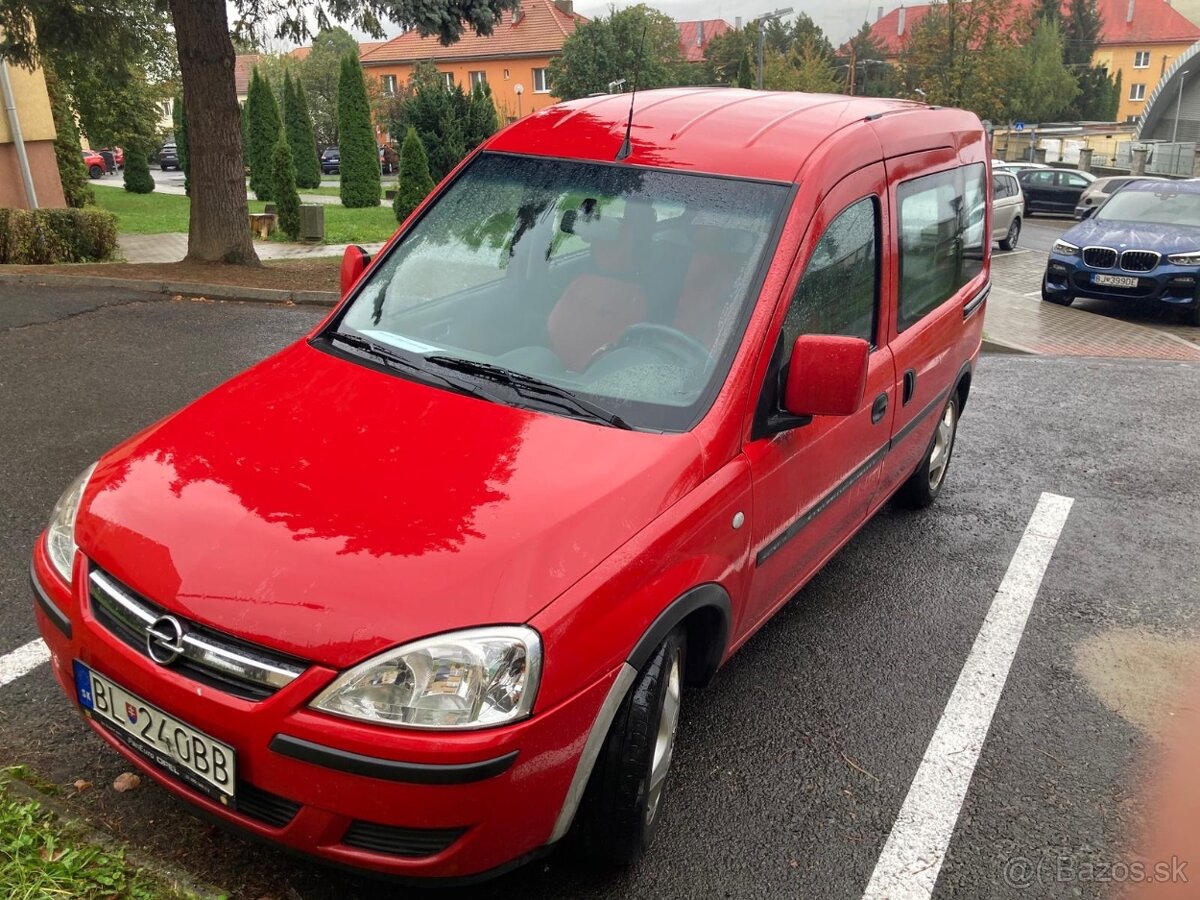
(792, 767)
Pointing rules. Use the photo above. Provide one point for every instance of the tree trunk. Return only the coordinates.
(218, 228)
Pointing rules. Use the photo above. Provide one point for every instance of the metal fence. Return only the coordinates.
(1162, 158)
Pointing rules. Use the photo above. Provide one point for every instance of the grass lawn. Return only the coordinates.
(39, 858)
(162, 213)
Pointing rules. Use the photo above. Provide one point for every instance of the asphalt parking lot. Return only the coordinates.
(793, 767)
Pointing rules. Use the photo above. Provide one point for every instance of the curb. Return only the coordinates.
(140, 859)
(993, 345)
(183, 288)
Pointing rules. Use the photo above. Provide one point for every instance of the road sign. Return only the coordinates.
(1018, 127)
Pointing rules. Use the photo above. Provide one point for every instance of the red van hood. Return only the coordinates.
(331, 510)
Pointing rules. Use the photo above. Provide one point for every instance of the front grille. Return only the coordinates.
(397, 841)
(264, 806)
(1139, 260)
(1100, 257)
(208, 656)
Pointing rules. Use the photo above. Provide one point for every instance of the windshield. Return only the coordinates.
(624, 286)
(1159, 207)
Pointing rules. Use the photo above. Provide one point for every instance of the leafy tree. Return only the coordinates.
(744, 77)
(964, 53)
(181, 140)
(262, 116)
(319, 75)
(356, 138)
(205, 52)
(726, 51)
(415, 182)
(803, 68)
(1044, 87)
(1098, 96)
(71, 172)
(283, 188)
(298, 126)
(873, 75)
(606, 49)
(137, 169)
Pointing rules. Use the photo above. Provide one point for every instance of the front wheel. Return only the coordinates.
(95, 171)
(623, 802)
(1014, 233)
(924, 485)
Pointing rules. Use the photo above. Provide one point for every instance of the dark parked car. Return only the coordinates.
(331, 161)
(1142, 245)
(1053, 190)
(168, 157)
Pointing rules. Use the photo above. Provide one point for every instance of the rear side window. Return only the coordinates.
(837, 292)
(941, 238)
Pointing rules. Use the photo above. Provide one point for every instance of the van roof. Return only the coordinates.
(723, 131)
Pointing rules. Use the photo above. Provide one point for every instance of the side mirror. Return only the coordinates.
(1088, 213)
(354, 263)
(827, 375)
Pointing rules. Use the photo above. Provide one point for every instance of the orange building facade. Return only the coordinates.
(514, 60)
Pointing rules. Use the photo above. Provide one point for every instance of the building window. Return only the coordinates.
(167, 108)
(1141, 59)
(389, 84)
(448, 78)
(1137, 92)
(539, 82)
(478, 79)
(506, 74)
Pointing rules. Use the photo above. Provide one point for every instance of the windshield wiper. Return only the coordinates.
(528, 384)
(397, 360)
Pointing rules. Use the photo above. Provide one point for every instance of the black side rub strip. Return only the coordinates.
(390, 769)
(821, 505)
(53, 613)
(977, 301)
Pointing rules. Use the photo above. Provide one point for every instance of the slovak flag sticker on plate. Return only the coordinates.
(131, 712)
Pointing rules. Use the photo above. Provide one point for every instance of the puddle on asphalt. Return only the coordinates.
(1145, 678)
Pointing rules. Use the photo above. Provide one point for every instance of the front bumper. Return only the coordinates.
(427, 805)
(1166, 283)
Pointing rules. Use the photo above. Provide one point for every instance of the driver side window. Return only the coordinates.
(838, 293)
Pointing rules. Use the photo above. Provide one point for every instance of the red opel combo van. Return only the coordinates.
(427, 590)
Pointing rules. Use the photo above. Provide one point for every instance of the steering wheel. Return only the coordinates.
(682, 347)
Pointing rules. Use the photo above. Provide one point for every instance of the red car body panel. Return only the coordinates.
(330, 510)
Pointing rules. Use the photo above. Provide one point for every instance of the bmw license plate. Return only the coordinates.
(190, 755)
(1121, 281)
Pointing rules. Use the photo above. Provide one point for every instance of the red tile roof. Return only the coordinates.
(243, 65)
(695, 36)
(540, 28)
(301, 53)
(1154, 22)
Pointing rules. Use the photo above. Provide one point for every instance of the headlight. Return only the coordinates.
(1064, 248)
(60, 533)
(466, 679)
(1191, 258)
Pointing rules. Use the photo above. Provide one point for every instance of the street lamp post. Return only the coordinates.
(519, 89)
(761, 21)
(1178, 104)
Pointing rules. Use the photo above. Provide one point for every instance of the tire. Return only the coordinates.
(1192, 316)
(622, 804)
(924, 485)
(95, 171)
(1026, 211)
(1014, 234)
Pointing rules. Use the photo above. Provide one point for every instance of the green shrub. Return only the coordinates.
(283, 188)
(262, 115)
(137, 170)
(356, 138)
(415, 181)
(48, 236)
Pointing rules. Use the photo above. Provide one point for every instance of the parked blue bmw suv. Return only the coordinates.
(1142, 245)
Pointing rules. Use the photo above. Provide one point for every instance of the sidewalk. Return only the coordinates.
(177, 190)
(1017, 316)
(172, 247)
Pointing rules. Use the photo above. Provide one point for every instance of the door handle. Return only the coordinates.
(910, 386)
(878, 409)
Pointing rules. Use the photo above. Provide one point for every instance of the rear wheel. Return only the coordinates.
(95, 171)
(1014, 233)
(924, 485)
(623, 803)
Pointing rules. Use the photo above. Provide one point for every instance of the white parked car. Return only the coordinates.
(1008, 206)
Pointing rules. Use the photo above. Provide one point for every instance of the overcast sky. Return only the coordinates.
(838, 18)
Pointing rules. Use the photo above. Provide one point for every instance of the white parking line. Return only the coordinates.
(22, 660)
(913, 855)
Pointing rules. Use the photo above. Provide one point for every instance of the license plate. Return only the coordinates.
(190, 755)
(1122, 281)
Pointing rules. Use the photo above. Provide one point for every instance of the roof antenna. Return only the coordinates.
(626, 147)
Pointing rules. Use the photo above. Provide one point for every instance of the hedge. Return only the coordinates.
(47, 236)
